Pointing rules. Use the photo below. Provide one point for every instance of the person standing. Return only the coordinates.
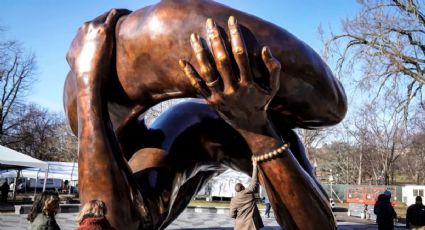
(384, 212)
(4, 192)
(243, 207)
(43, 212)
(415, 215)
(268, 206)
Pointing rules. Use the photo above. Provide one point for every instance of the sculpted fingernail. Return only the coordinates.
(267, 52)
(210, 23)
(213, 34)
(232, 20)
(193, 38)
(238, 50)
(182, 63)
(221, 57)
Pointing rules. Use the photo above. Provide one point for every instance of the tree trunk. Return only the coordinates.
(386, 177)
(392, 175)
(359, 178)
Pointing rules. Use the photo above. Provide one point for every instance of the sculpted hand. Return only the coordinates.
(232, 92)
(91, 50)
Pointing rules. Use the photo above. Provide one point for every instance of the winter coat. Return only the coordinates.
(385, 213)
(95, 223)
(415, 215)
(244, 209)
(43, 222)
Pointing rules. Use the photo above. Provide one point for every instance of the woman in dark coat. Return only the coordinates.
(384, 212)
(4, 191)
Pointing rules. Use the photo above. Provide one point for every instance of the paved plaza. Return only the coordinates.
(186, 221)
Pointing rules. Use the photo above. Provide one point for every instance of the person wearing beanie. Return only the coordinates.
(387, 193)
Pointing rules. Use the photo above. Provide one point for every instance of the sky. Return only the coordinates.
(47, 27)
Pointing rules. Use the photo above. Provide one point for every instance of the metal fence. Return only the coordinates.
(340, 190)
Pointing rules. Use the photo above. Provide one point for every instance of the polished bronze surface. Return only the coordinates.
(122, 63)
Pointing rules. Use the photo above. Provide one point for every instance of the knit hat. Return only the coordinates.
(387, 193)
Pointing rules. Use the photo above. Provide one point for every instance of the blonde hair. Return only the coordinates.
(93, 208)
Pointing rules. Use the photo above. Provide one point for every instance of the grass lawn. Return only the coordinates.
(203, 203)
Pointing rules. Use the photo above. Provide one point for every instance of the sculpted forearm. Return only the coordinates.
(103, 172)
(288, 185)
(102, 169)
(262, 139)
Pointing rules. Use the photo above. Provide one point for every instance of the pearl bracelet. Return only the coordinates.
(272, 154)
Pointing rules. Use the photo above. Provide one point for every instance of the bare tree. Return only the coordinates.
(381, 137)
(384, 42)
(42, 134)
(412, 162)
(64, 143)
(415, 158)
(156, 110)
(374, 146)
(30, 135)
(311, 138)
(16, 76)
(340, 157)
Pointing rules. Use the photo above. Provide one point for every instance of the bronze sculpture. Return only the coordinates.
(122, 63)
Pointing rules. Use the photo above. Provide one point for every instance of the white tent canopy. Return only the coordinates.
(11, 159)
(224, 184)
(56, 170)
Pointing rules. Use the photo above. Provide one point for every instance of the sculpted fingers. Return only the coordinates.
(273, 66)
(206, 69)
(221, 56)
(99, 19)
(114, 15)
(110, 17)
(94, 42)
(194, 78)
(239, 51)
